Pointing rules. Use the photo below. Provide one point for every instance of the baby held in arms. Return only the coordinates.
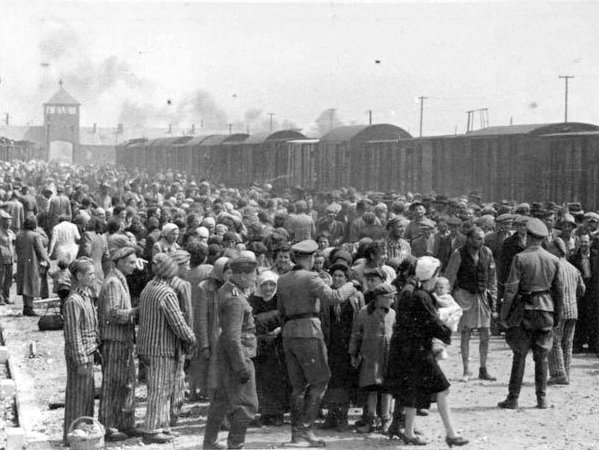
(449, 312)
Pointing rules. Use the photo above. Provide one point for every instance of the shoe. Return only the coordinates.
(508, 403)
(329, 423)
(172, 433)
(542, 403)
(134, 432)
(213, 446)
(278, 420)
(368, 427)
(458, 441)
(558, 380)
(159, 438)
(412, 441)
(29, 312)
(422, 412)
(342, 425)
(484, 375)
(114, 435)
(307, 436)
(385, 425)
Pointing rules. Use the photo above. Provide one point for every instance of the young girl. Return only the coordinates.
(61, 280)
(449, 313)
(369, 350)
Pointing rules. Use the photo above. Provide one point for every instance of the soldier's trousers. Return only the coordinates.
(309, 375)
(233, 399)
(117, 400)
(79, 395)
(521, 340)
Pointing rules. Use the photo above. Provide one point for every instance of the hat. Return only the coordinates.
(375, 272)
(575, 208)
(383, 289)
(203, 232)
(168, 228)
(523, 207)
(591, 216)
(426, 267)
(180, 256)
(217, 272)
(520, 219)
(164, 266)
(543, 213)
(567, 218)
(121, 252)
(393, 220)
(414, 204)
(243, 264)
(506, 217)
(306, 247)
(453, 220)
(343, 255)
(427, 223)
(333, 208)
(537, 228)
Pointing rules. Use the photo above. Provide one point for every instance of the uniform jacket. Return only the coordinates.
(7, 239)
(238, 336)
(303, 292)
(16, 210)
(115, 313)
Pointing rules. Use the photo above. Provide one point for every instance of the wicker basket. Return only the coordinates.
(90, 442)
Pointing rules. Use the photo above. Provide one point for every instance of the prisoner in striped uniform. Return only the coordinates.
(563, 335)
(183, 290)
(163, 333)
(117, 330)
(81, 336)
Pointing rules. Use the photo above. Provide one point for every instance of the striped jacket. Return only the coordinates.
(81, 334)
(573, 287)
(115, 313)
(183, 290)
(162, 327)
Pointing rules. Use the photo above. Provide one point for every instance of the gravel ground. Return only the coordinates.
(569, 423)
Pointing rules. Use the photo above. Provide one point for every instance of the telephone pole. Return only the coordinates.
(369, 116)
(421, 111)
(230, 128)
(271, 114)
(566, 78)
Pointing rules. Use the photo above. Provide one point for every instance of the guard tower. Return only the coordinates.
(61, 126)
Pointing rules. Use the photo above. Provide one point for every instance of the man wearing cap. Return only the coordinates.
(567, 224)
(15, 208)
(329, 223)
(424, 244)
(495, 239)
(511, 247)
(414, 229)
(235, 395)
(163, 335)
(300, 225)
(300, 293)
(117, 332)
(471, 271)
(447, 244)
(7, 240)
(532, 308)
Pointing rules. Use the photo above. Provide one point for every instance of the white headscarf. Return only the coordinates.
(426, 267)
(265, 276)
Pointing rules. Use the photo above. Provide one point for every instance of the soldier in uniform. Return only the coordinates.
(235, 395)
(532, 308)
(300, 293)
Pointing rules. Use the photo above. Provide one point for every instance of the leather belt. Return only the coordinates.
(302, 316)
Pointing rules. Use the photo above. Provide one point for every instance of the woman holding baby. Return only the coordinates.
(413, 374)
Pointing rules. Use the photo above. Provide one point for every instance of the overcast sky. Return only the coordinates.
(154, 63)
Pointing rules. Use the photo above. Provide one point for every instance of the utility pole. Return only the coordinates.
(230, 125)
(369, 116)
(421, 111)
(566, 77)
(271, 114)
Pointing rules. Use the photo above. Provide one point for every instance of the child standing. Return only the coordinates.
(61, 280)
(369, 350)
(449, 313)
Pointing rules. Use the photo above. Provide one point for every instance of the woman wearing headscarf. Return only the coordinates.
(168, 240)
(82, 338)
(413, 374)
(337, 327)
(31, 256)
(207, 324)
(272, 385)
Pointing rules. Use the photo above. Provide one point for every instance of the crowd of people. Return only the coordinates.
(266, 302)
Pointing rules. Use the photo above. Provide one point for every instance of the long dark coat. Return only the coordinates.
(413, 374)
(30, 252)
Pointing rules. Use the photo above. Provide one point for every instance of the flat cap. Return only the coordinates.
(414, 204)
(537, 228)
(506, 217)
(180, 256)
(344, 255)
(567, 218)
(121, 252)
(384, 289)
(306, 247)
(243, 263)
(427, 223)
(453, 220)
(591, 216)
(520, 219)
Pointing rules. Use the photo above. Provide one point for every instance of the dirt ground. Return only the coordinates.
(570, 422)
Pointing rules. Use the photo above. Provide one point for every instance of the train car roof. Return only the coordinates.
(168, 141)
(535, 129)
(304, 141)
(363, 133)
(281, 135)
